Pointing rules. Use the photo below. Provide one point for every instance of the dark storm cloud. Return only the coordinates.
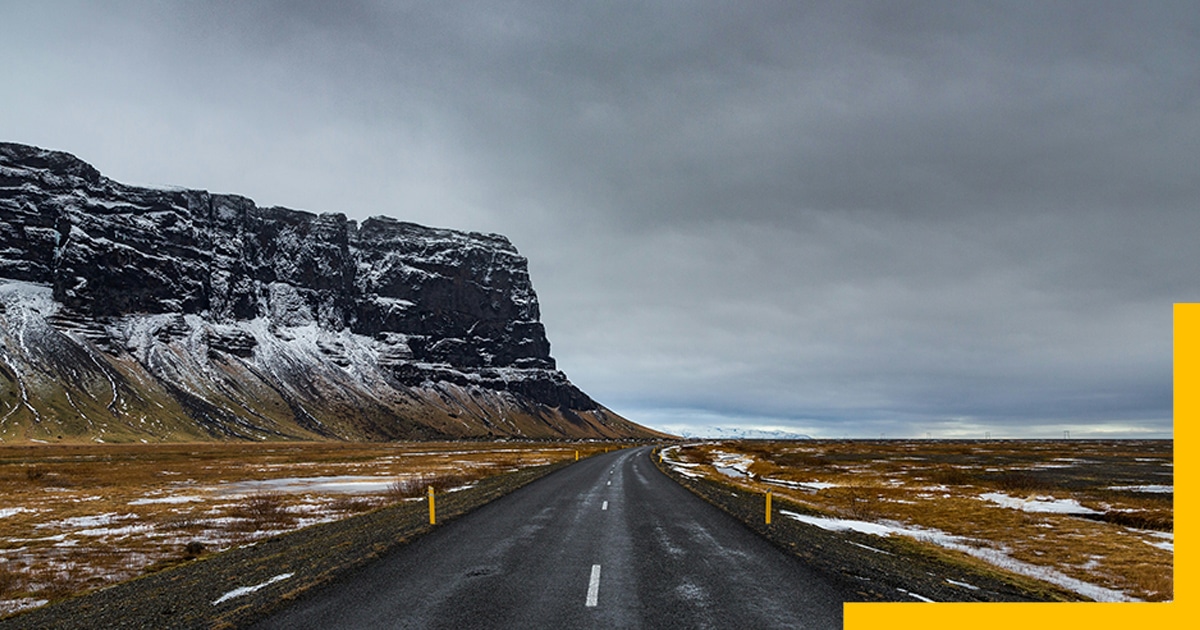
(845, 218)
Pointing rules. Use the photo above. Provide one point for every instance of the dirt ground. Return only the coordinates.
(1089, 516)
(74, 518)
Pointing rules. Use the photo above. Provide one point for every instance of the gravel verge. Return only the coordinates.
(878, 568)
(186, 596)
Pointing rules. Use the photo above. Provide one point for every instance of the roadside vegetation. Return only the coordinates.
(1094, 517)
(74, 518)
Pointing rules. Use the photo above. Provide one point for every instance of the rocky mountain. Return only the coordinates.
(132, 313)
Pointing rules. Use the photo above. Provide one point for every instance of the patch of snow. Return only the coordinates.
(915, 596)
(316, 520)
(840, 524)
(687, 473)
(36, 297)
(1168, 542)
(1148, 488)
(246, 590)
(1039, 504)
(10, 606)
(55, 538)
(176, 499)
(996, 557)
(111, 531)
(811, 486)
(732, 464)
(88, 521)
(7, 512)
(730, 471)
(340, 484)
(886, 553)
(163, 187)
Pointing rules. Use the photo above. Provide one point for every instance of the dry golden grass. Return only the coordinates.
(78, 517)
(1126, 545)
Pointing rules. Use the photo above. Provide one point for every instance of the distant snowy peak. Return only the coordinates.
(314, 314)
(735, 433)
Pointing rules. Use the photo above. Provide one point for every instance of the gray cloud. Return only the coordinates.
(845, 218)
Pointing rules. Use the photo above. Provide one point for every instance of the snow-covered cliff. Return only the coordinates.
(140, 313)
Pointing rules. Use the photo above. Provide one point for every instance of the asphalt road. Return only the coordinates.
(608, 542)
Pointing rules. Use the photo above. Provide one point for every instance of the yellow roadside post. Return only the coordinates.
(432, 513)
(768, 507)
(576, 455)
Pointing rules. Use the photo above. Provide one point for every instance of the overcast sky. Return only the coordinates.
(840, 219)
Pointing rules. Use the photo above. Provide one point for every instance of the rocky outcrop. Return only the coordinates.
(205, 309)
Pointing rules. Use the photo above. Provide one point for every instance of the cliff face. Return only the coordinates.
(138, 313)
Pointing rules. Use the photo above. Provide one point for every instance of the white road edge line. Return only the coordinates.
(593, 594)
(605, 506)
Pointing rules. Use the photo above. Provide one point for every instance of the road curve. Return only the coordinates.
(608, 542)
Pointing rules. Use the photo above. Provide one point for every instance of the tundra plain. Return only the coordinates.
(1092, 516)
(74, 518)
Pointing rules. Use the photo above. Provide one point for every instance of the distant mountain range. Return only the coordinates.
(734, 433)
(145, 314)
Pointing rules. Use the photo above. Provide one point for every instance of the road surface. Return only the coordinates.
(608, 542)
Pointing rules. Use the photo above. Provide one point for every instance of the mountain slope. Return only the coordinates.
(132, 313)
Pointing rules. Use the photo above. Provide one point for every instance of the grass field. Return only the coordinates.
(1095, 517)
(74, 518)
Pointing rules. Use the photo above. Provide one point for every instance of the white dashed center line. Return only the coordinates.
(605, 506)
(593, 594)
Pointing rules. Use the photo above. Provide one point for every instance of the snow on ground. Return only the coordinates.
(683, 468)
(13, 511)
(883, 528)
(1040, 504)
(997, 557)
(113, 531)
(811, 486)
(174, 499)
(1167, 543)
(340, 484)
(87, 521)
(687, 473)
(1150, 488)
(886, 553)
(246, 590)
(916, 596)
(10, 606)
(732, 464)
